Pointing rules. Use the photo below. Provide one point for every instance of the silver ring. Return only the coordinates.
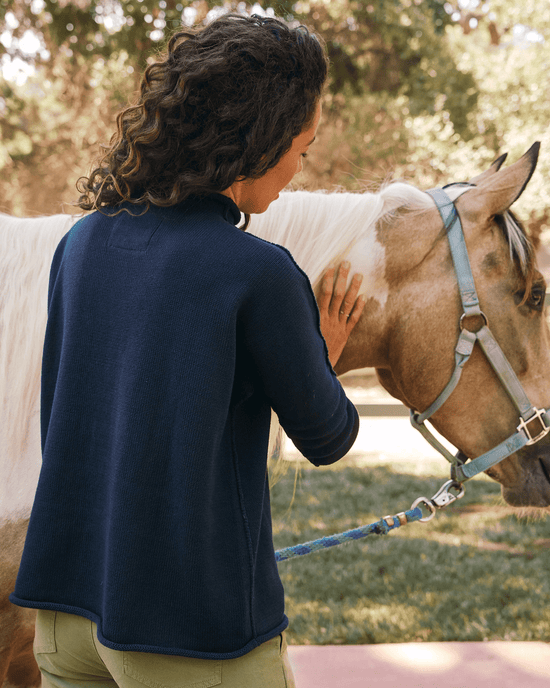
(481, 314)
(428, 504)
(346, 314)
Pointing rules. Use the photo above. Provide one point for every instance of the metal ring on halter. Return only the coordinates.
(476, 315)
(427, 503)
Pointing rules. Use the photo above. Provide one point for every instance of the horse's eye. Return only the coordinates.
(536, 298)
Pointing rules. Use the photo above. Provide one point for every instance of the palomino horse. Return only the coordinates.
(408, 332)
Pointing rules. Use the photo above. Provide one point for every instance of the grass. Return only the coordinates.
(478, 571)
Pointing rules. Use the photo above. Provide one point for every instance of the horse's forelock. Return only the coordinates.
(522, 251)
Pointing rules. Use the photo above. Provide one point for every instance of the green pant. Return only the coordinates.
(69, 655)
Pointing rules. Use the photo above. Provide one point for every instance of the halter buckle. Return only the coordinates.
(523, 426)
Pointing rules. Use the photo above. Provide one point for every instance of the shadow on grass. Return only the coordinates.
(476, 572)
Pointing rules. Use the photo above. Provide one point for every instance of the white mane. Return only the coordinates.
(320, 229)
(27, 245)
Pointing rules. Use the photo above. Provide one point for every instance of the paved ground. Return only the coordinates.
(388, 440)
(423, 665)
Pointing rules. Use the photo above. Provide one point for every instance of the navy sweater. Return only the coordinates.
(170, 336)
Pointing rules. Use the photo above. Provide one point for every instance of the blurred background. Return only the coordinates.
(422, 90)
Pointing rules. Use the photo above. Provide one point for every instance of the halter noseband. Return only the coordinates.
(529, 414)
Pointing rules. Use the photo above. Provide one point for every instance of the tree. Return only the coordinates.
(390, 59)
(512, 109)
(398, 48)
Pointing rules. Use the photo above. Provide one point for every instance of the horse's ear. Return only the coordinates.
(495, 193)
(495, 167)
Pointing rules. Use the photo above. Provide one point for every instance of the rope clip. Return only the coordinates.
(442, 498)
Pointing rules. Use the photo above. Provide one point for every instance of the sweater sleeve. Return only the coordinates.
(283, 337)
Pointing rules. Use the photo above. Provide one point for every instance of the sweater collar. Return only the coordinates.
(214, 202)
(225, 206)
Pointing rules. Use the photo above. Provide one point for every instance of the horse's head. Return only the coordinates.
(417, 329)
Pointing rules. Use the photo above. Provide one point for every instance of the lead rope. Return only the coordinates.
(442, 498)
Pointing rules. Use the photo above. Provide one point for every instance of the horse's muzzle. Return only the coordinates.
(527, 480)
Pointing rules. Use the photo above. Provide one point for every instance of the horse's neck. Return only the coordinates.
(320, 230)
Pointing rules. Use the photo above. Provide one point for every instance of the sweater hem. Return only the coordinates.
(154, 649)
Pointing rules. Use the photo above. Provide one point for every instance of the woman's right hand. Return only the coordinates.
(339, 309)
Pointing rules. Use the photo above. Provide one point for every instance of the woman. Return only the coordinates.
(171, 334)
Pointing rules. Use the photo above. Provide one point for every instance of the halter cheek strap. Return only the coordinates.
(534, 424)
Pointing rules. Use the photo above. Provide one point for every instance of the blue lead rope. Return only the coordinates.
(381, 527)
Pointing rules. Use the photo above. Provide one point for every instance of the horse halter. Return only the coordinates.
(534, 423)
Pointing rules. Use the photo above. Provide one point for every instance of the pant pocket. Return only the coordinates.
(167, 671)
(44, 637)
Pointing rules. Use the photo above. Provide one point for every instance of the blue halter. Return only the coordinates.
(529, 415)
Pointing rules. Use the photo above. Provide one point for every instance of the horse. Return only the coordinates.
(411, 321)
(408, 332)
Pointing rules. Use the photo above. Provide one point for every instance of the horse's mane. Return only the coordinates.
(320, 228)
(28, 245)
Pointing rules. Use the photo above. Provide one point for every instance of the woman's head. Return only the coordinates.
(254, 195)
(225, 104)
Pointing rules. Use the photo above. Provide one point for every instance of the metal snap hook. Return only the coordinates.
(442, 498)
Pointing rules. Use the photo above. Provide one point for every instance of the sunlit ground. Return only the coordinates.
(428, 665)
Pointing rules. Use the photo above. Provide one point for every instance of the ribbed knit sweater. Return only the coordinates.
(170, 337)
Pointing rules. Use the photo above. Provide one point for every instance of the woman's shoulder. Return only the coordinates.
(274, 254)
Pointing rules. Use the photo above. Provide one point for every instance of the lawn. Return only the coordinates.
(478, 571)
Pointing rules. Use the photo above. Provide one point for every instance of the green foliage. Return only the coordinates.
(512, 113)
(476, 572)
(51, 130)
(371, 138)
(393, 47)
(383, 46)
(413, 93)
(92, 52)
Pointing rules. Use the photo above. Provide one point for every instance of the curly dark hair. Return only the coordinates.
(223, 104)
